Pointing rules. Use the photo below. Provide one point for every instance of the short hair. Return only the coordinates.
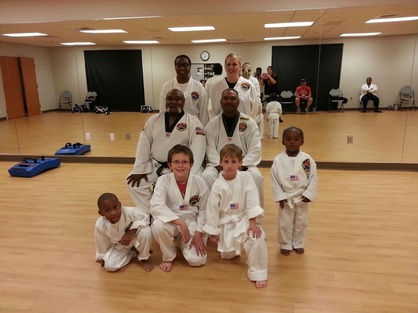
(295, 129)
(273, 96)
(259, 69)
(232, 89)
(180, 149)
(231, 150)
(234, 55)
(104, 197)
(217, 68)
(182, 56)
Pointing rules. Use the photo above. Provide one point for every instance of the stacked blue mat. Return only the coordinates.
(29, 167)
(73, 149)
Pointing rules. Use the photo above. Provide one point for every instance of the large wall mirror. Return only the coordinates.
(392, 62)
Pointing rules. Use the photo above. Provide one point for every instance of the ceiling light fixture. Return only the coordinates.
(290, 24)
(282, 38)
(191, 29)
(103, 31)
(140, 42)
(126, 18)
(208, 40)
(392, 19)
(78, 43)
(25, 34)
(360, 34)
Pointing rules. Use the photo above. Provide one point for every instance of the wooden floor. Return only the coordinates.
(361, 251)
(390, 137)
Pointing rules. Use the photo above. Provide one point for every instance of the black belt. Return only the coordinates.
(163, 165)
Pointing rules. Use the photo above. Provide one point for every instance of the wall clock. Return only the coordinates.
(204, 55)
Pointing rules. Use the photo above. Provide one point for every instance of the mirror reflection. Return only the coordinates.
(383, 138)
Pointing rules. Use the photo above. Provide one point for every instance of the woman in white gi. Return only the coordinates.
(179, 210)
(295, 183)
(247, 93)
(196, 100)
(161, 132)
(274, 111)
(234, 215)
(119, 234)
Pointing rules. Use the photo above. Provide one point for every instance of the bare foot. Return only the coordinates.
(299, 250)
(261, 284)
(166, 266)
(285, 252)
(146, 265)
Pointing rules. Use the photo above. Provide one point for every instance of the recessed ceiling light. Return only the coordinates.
(282, 38)
(393, 19)
(208, 40)
(103, 31)
(191, 29)
(78, 43)
(290, 24)
(140, 42)
(360, 34)
(25, 34)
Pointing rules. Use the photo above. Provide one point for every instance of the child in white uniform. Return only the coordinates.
(274, 112)
(178, 206)
(234, 216)
(295, 183)
(119, 234)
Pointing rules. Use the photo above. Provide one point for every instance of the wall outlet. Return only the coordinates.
(128, 136)
(112, 137)
(350, 139)
(88, 137)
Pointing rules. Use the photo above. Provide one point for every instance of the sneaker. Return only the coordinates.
(280, 120)
(298, 111)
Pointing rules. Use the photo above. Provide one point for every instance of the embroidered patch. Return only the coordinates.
(245, 86)
(181, 126)
(244, 118)
(306, 165)
(200, 131)
(234, 206)
(242, 127)
(195, 95)
(184, 207)
(294, 178)
(194, 200)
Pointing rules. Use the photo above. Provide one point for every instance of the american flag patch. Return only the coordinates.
(200, 131)
(234, 206)
(294, 178)
(183, 207)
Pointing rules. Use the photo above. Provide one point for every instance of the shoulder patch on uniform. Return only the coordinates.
(194, 200)
(195, 95)
(245, 86)
(244, 118)
(242, 127)
(306, 165)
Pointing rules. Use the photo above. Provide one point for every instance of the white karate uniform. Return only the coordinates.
(248, 100)
(108, 235)
(246, 137)
(274, 111)
(168, 204)
(153, 145)
(231, 205)
(259, 118)
(292, 178)
(196, 100)
(365, 89)
(209, 86)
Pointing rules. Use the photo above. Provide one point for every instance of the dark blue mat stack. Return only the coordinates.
(73, 149)
(30, 167)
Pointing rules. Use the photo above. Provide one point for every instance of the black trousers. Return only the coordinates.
(372, 97)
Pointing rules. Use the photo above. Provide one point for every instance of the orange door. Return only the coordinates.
(27, 70)
(12, 87)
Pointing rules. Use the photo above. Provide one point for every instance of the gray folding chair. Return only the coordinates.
(407, 94)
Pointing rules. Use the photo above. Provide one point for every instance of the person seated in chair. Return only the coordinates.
(303, 94)
(368, 92)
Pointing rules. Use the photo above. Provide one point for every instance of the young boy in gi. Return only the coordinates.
(234, 215)
(178, 206)
(295, 183)
(121, 234)
(274, 111)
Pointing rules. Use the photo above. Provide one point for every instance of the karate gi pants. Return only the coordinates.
(293, 224)
(274, 122)
(164, 234)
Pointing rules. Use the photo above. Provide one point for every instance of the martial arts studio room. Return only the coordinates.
(361, 245)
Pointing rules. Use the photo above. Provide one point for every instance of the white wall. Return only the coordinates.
(388, 60)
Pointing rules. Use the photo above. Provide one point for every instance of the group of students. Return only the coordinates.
(174, 200)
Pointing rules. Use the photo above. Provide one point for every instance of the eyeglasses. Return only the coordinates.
(180, 162)
(182, 64)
